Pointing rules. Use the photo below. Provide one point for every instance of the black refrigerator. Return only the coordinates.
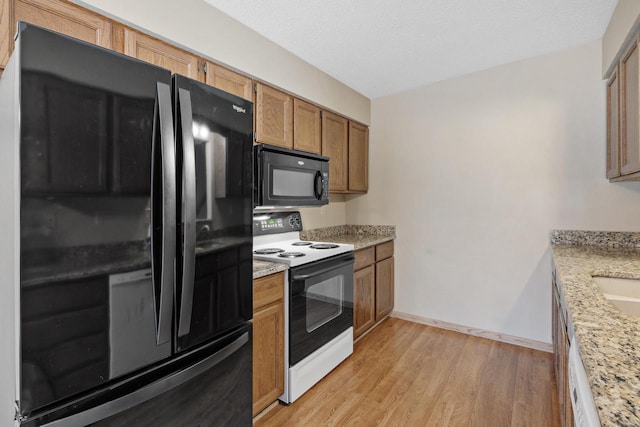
(126, 263)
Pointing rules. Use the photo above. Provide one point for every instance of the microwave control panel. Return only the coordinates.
(276, 222)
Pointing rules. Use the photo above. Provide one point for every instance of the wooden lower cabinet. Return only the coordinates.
(268, 340)
(373, 286)
(364, 300)
(384, 287)
(561, 356)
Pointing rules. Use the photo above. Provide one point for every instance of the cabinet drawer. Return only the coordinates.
(364, 257)
(384, 250)
(267, 290)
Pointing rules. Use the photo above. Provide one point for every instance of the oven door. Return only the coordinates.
(320, 304)
(290, 178)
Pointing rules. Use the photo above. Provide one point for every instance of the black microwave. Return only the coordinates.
(284, 177)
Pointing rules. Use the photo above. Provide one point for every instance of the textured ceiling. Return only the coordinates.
(380, 47)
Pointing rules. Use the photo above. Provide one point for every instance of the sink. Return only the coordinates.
(623, 294)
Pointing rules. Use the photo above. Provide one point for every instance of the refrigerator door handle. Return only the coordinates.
(188, 212)
(163, 212)
(152, 390)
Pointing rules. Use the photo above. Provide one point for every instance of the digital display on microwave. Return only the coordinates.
(292, 183)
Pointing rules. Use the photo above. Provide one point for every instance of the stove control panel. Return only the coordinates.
(276, 222)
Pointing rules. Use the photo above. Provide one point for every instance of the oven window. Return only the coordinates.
(324, 302)
(293, 183)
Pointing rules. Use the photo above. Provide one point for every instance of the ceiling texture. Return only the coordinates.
(381, 47)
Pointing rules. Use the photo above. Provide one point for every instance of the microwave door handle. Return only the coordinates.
(322, 271)
(163, 213)
(188, 212)
(318, 184)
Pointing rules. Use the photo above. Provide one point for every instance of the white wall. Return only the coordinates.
(624, 17)
(475, 172)
(203, 29)
(335, 213)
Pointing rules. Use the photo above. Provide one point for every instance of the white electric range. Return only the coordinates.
(318, 298)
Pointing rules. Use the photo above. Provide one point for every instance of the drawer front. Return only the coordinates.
(384, 250)
(267, 290)
(364, 257)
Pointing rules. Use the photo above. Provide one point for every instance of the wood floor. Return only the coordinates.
(407, 374)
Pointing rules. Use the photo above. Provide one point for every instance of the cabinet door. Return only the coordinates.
(306, 127)
(59, 16)
(384, 288)
(335, 131)
(268, 356)
(358, 158)
(363, 300)
(274, 117)
(228, 81)
(613, 126)
(154, 51)
(630, 111)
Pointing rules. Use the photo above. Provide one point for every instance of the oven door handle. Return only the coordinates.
(343, 263)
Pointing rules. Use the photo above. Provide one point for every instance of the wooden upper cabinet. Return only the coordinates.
(274, 116)
(55, 15)
(358, 158)
(306, 127)
(335, 131)
(613, 126)
(154, 51)
(630, 111)
(228, 81)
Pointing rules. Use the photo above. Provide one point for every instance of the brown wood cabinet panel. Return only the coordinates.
(268, 340)
(154, 51)
(384, 250)
(60, 16)
(363, 300)
(274, 116)
(306, 127)
(267, 290)
(268, 356)
(630, 111)
(364, 257)
(561, 356)
(613, 126)
(229, 81)
(384, 287)
(335, 131)
(6, 36)
(358, 158)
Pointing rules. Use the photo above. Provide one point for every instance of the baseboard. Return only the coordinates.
(496, 336)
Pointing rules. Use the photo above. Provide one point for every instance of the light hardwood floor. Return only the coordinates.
(407, 374)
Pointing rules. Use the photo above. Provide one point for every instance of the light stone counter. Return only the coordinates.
(265, 268)
(609, 340)
(360, 236)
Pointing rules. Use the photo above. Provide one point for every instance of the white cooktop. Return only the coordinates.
(291, 243)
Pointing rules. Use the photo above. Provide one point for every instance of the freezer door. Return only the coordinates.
(89, 310)
(208, 387)
(214, 147)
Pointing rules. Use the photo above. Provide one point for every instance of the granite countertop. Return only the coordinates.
(360, 236)
(265, 268)
(608, 340)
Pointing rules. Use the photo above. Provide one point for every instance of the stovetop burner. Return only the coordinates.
(291, 254)
(300, 243)
(324, 246)
(268, 251)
